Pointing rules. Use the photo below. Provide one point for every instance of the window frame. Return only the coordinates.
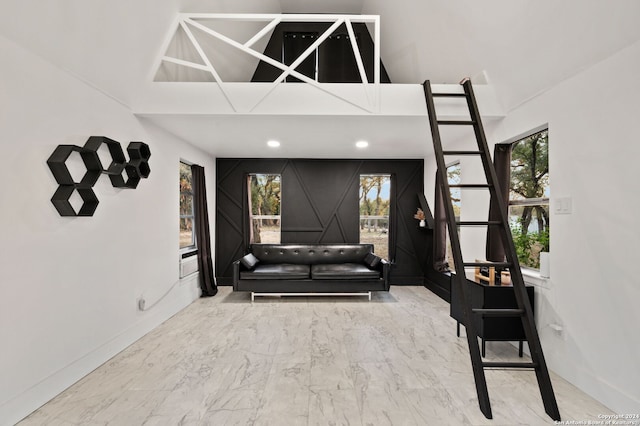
(529, 202)
(194, 244)
(388, 180)
(252, 217)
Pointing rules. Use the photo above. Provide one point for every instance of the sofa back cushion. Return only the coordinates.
(311, 254)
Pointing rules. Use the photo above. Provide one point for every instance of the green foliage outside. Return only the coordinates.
(375, 202)
(265, 194)
(529, 245)
(186, 206)
(530, 179)
(265, 201)
(373, 206)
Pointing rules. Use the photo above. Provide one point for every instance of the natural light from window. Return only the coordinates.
(529, 197)
(186, 207)
(264, 207)
(375, 199)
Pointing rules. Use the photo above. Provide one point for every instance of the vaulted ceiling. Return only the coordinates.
(521, 47)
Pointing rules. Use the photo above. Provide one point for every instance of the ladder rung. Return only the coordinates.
(470, 185)
(462, 152)
(491, 264)
(493, 364)
(479, 223)
(499, 312)
(456, 122)
(449, 95)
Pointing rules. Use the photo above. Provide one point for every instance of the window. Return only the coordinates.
(264, 208)
(187, 239)
(375, 199)
(529, 197)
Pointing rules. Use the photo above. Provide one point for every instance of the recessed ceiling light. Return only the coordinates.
(273, 144)
(362, 144)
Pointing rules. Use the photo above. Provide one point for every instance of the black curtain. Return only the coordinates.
(336, 60)
(440, 263)
(502, 163)
(294, 45)
(203, 236)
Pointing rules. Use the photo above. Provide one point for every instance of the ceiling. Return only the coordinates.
(521, 47)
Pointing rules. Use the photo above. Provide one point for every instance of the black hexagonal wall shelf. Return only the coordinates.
(62, 196)
(57, 164)
(118, 160)
(139, 151)
(132, 178)
(122, 173)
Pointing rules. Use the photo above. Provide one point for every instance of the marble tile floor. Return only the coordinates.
(307, 361)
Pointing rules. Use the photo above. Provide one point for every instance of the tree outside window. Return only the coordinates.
(375, 201)
(529, 197)
(186, 207)
(265, 200)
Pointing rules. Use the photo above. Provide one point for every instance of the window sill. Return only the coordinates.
(532, 277)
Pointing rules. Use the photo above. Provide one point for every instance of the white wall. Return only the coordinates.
(594, 290)
(69, 286)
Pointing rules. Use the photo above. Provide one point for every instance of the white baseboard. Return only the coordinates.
(19, 407)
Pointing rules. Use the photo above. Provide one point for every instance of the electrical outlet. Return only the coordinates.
(141, 303)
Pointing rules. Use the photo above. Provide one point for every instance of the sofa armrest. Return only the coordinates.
(386, 268)
(236, 274)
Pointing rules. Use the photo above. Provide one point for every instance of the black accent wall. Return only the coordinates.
(336, 61)
(320, 205)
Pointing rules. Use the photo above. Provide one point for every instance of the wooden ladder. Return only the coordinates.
(524, 309)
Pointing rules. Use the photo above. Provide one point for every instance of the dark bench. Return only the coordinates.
(306, 269)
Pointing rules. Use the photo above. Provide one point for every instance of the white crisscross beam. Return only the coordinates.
(187, 20)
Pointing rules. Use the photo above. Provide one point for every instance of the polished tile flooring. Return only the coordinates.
(306, 361)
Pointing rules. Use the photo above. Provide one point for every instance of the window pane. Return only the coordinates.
(186, 232)
(530, 229)
(529, 198)
(186, 204)
(185, 178)
(265, 193)
(375, 199)
(186, 207)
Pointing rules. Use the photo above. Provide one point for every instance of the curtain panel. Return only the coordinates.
(502, 162)
(203, 236)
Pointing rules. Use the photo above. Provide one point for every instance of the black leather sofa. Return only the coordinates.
(302, 269)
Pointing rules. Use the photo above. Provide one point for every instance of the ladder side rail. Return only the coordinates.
(472, 336)
(533, 338)
(510, 250)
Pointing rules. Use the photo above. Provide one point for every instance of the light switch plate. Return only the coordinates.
(563, 205)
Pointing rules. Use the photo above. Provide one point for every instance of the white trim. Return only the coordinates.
(254, 294)
(271, 25)
(185, 63)
(206, 61)
(526, 134)
(532, 276)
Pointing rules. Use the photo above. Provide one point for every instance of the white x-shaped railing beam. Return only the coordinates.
(187, 21)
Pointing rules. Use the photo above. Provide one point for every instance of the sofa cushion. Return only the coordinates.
(343, 271)
(284, 271)
(249, 261)
(310, 254)
(372, 260)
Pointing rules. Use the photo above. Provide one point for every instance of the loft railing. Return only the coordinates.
(188, 22)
